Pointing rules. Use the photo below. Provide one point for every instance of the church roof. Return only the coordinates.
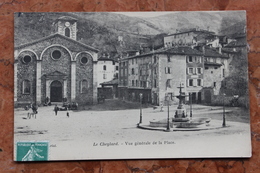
(67, 18)
(56, 35)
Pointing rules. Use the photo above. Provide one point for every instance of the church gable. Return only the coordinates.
(57, 67)
(40, 45)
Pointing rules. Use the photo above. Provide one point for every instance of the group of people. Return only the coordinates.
(56, 109)
(34, 112)
(34, 108)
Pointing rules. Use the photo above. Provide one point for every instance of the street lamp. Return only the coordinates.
(190, 105)
(141, 96)
(167, 98)
(224, 116)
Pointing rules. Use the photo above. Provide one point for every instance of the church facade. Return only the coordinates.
(57, 68)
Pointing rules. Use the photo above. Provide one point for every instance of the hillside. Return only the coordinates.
(101, 30)
(214, 21)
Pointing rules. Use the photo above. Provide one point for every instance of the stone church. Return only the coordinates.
(56, 68)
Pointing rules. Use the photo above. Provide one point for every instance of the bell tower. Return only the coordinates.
(67, 26)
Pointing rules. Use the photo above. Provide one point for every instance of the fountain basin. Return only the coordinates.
(161, 123)
(182, 123)
(180, 119)
(195, 122)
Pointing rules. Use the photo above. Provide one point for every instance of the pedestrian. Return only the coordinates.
(56, 109)
(35, 108)
(161, 107)
(68, 115)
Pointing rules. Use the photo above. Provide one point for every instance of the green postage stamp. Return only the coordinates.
(32, 151)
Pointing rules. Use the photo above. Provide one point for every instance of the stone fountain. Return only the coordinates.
(180, 118)
(181, 113)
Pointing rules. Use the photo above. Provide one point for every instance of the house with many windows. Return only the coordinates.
(156, 74)
(191, 37)
(159, 73)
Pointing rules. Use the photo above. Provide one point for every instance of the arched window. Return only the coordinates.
(67, 32)
(104, 67)
(133, 71)
(83, 86)
(26, 88)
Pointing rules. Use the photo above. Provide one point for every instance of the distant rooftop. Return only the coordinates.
(209, 52)
(112, 82)
(192, 30)
(238, 43)
(173, 50)
(212, 64)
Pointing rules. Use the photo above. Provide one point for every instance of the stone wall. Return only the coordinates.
(50, 65)
(26, 71)
(176, 76)
(213, 77)
(84, 72)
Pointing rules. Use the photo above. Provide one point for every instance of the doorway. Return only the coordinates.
(56, 91)
(194, 98)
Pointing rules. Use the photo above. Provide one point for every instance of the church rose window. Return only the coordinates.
(27, 59)
(56, 54)
(84, 60)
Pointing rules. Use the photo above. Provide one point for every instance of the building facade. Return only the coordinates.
(57, 68)
(107, 70)
(160, 73)
(191, 37)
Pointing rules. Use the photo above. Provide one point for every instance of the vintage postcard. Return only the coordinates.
(131, 85)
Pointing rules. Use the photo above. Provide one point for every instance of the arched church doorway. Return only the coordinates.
(56, 91)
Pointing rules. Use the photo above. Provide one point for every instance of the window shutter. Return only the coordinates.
(201, 81)
(194, 82)
(187, 70)
(165, 70)
(188, 82)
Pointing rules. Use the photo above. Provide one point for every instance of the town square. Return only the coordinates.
(87, 86)
(84, 129)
